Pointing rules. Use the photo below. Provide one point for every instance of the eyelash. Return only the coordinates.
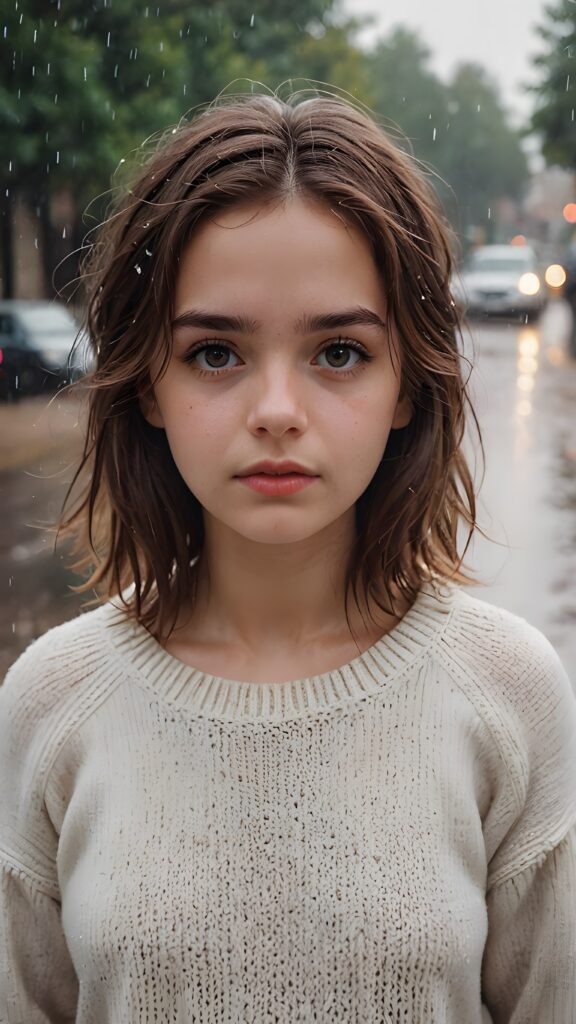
(339, 342)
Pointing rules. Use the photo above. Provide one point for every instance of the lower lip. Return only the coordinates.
(288, 483)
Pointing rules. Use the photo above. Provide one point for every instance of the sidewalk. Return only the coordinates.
(36, 428)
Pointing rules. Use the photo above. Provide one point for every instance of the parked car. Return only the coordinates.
(501, 279)
(36, 339)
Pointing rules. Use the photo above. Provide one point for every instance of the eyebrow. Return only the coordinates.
(358, 316)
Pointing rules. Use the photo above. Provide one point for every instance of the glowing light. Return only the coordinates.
(569, 213)
(555, 275)
(528, 342)
(525, 382)
(524, 407)
(529, 284)
(518, 240)
(527, 364)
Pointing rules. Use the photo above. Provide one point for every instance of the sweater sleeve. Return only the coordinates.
(529, 963)
(529, 967)
(38, 984)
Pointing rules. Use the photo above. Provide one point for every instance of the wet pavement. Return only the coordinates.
(524, 391)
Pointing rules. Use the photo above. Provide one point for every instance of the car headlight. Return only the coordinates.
(529, 284)
(555, 275)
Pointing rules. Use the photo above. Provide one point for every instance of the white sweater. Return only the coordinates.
(392, 841)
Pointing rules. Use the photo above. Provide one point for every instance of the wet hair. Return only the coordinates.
(138, 530)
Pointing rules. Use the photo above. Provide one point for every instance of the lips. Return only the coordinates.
(269, 468)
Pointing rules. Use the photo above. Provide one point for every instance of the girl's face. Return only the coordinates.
(269, 379)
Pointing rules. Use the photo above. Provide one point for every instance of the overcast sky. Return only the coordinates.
(499, 34)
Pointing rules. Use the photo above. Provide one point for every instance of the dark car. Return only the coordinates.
(36, 339)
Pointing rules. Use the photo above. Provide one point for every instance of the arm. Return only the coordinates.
(37, 979)
(38, 984)
(529, 966)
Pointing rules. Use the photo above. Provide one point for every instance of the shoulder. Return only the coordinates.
(510, 671)
(491, 638)
(52, 673)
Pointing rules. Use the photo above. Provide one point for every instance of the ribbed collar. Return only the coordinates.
(229, 699)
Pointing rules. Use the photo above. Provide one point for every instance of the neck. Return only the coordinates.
(273, 597)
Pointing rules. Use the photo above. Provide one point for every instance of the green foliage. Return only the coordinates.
(459, 130)
(554, 117)
(82, 86)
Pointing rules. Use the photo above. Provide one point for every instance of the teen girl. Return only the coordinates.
(228, 793)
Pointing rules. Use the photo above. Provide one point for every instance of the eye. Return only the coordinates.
(343, 349)
(217, 353)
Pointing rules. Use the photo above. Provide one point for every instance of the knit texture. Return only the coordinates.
(391, 841)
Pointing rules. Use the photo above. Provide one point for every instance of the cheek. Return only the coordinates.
(197, 430)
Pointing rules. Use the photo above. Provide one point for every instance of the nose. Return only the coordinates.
(276, 402)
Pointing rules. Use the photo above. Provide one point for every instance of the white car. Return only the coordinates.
(501, 279)
(36, 341)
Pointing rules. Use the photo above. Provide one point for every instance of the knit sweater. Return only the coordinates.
(390, 841)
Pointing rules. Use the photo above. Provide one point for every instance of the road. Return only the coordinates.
(524, 390)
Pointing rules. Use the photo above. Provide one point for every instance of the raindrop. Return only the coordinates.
(33, 70)
(108, 40)
(567, 82)
(572, 113)
(63, 232)
(137, 268)
(434, 136)
(183, 90)
(48, 68)
(489, 212)
(57, 156)
(5, 31)
(148, 81)
(35, 243)
(161, 47)
(147, 251)
(85, 74)
(10, 162)
(55, 97)
(115, 71)
(252, 21)
(35, 34)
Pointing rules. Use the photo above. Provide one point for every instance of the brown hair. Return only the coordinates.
(137, 522)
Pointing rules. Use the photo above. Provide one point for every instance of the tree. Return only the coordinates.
(481, 156)
(554, 117)
(458, 130)
(82, 86)
(406, 92)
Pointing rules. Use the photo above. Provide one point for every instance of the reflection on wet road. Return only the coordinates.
(524, 392)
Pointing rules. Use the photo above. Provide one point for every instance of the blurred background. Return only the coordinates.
(486, 98)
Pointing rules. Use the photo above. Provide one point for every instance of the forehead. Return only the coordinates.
(298, 251)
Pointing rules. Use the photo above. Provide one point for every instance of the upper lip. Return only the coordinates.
(276, 467)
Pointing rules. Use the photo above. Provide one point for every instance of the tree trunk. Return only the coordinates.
(7, 244)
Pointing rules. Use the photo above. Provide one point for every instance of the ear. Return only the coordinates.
(402, 413)
(150, 410)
